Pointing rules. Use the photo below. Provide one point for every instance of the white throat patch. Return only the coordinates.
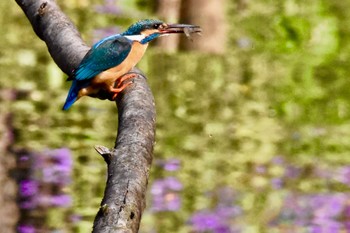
(136, 37)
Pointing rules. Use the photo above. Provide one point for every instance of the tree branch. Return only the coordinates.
(129, 163)
(59, 33)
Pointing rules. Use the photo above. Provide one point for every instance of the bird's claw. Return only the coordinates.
(126, 76)
(119, 84)
(119, 89)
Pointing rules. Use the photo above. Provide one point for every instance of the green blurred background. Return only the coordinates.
(279, 92)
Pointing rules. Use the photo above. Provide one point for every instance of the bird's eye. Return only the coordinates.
(156, 26)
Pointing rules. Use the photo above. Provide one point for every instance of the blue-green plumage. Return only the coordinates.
(73, 92)
(113, 50)
(142, 25)
(104, 55)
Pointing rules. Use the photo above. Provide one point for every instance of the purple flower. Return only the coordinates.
(55, 175)
(28, 187)
(173, 183)
(322, 172)
(315, 201)
(167, 202)
(326, 226)
(38, 161)
(60, 171)
(74, 218)
(331, 205)
(61, 200)
(165, 195)
(168, 183)
(169, 165)
(292, 172)
(25, 229)
(172, 165)
(343, 175)
(277, 183)
(62, 158)
(347, 226)
(279, 160)
(24, 158)
(172, 201)
(29, 203)
(347, 211)
(260, 169)
(206, 221)
(227, 212)
(318, 212)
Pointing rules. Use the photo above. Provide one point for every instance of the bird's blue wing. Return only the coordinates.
(74, 91)
(107, 53)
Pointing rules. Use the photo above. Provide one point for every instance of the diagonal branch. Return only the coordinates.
(58, 32)
(130, 161)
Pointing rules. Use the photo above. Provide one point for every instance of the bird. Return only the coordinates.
(107, 64)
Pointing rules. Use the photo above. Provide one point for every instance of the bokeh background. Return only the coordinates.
(253, 119)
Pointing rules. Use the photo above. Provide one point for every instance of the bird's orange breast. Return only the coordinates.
(135, 55)
(107, 78)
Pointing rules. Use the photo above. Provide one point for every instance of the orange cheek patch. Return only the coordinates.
(149, 32)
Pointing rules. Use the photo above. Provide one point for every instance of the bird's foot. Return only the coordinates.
(119, 89)
(124, 77)
(119, 85)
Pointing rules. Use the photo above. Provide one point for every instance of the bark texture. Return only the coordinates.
(62, 38)
(129, 162)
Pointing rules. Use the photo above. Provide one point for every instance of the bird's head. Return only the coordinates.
(149, 29)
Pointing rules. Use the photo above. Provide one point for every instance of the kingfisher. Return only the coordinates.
(107, 64)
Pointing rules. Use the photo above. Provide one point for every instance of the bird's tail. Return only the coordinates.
(72, 95)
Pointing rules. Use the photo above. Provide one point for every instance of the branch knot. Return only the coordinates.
(42, 9)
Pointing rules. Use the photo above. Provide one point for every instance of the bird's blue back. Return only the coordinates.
(105, 54)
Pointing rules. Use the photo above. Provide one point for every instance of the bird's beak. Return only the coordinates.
(180, 28)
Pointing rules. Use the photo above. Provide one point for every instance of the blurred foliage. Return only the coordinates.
(281, 89)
